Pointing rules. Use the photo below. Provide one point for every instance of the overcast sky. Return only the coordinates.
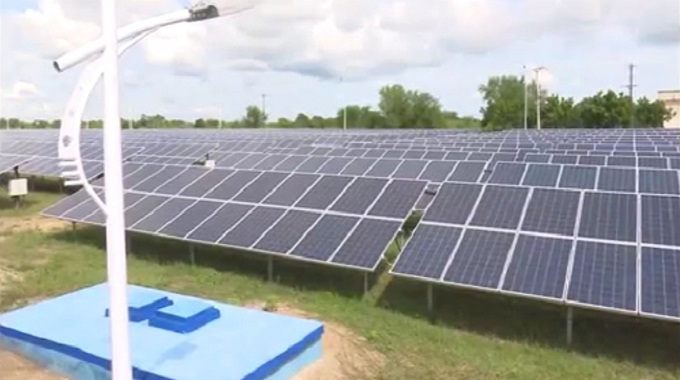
(296, 50)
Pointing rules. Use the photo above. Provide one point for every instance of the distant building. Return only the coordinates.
(672, 100)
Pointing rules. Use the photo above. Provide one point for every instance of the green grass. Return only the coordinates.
(475, 336)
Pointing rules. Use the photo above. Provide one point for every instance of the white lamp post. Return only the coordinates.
(537, 72)
(69, 149)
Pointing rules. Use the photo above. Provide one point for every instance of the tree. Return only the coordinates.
(403, 108)
(504, 102)
(254, 118)
(559, 112)
(605, 110)
(200, 123)
(651, 114)
(284, 123)
(302, 121)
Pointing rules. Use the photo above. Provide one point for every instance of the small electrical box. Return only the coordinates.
(18, 187)
(210, 164)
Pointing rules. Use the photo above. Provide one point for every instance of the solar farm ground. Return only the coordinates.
(382, 335)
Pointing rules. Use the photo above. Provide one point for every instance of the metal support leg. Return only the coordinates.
(270, 268)
(430, 302)
(570, 324)
(366, 284)
(73, 225)
(192, 254)
(128, 242)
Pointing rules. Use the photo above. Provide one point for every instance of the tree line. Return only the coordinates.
(399, 107)
(504, 102)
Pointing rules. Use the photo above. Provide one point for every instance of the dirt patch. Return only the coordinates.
(345, 355)
(38, 223)
(15, 367)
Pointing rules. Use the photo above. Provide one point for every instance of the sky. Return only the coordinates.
(314, 56)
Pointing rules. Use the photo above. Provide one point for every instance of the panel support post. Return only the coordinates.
(270, 268)
(128, 242)
(366, 284)
(73, 225)
(570, 324)
(192, 254)
(430, 302)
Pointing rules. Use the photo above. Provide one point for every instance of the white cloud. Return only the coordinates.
(22, 91)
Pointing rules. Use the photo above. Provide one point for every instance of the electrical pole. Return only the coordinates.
(630, 86)
(526, 98)
(264, 109)
(344, 111)
(537, 72)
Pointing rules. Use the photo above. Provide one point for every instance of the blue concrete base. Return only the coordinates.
(70, 335)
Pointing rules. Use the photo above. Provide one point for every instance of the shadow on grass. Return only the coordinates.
(648, 343)
(645, 342)
(287, 272)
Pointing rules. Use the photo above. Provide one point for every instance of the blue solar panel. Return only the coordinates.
(500, 207)
(604, 275)
(427, 251)
(609, 216)
(480, 258)
(453, 203)
(660, 277)
(538, 266)
(552, 211)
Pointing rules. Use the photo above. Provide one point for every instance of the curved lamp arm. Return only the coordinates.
(197, 13)
(69, 133)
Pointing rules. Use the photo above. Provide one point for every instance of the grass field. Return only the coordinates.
(474, 336)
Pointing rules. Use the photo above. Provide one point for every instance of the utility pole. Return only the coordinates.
(537, 72)
(264, 110)
(344, 111)
(630, 86)
(526, 97)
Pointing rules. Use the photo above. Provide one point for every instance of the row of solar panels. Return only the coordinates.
(380, 198)
(357, 241)
(602, 275)
(579, 247)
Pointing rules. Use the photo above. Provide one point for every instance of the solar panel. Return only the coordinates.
(541, 175)
(427, 252)
(258, 189)
(578, 177)
(538, 266)
(366, 244)
(552, 211)
(615, 179)
(187, 177)
(398, 199)
(659, 219)
(207, 182)
(322, 240)
(292, 189)
(190, 218)
(604, 275)
(212, 228)
(410, 169)
(437, 171)
(360, 195)
(383, 168)
(453, 203)
(480, 258)
(500, 207)
(660, 279)
(232, 185)
(160, 216)
(659, 181)
(324, 192)
(283, 236)
(467, 172)
(609, 216)
(359, 166)
(507, 173)
(249, 230)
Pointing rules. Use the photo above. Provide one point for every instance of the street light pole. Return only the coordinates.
(537, 72)
(264, 110)
(121, 367)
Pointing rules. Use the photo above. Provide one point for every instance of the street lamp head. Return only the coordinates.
(212, 9)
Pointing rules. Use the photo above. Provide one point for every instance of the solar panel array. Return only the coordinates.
(580, 217)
